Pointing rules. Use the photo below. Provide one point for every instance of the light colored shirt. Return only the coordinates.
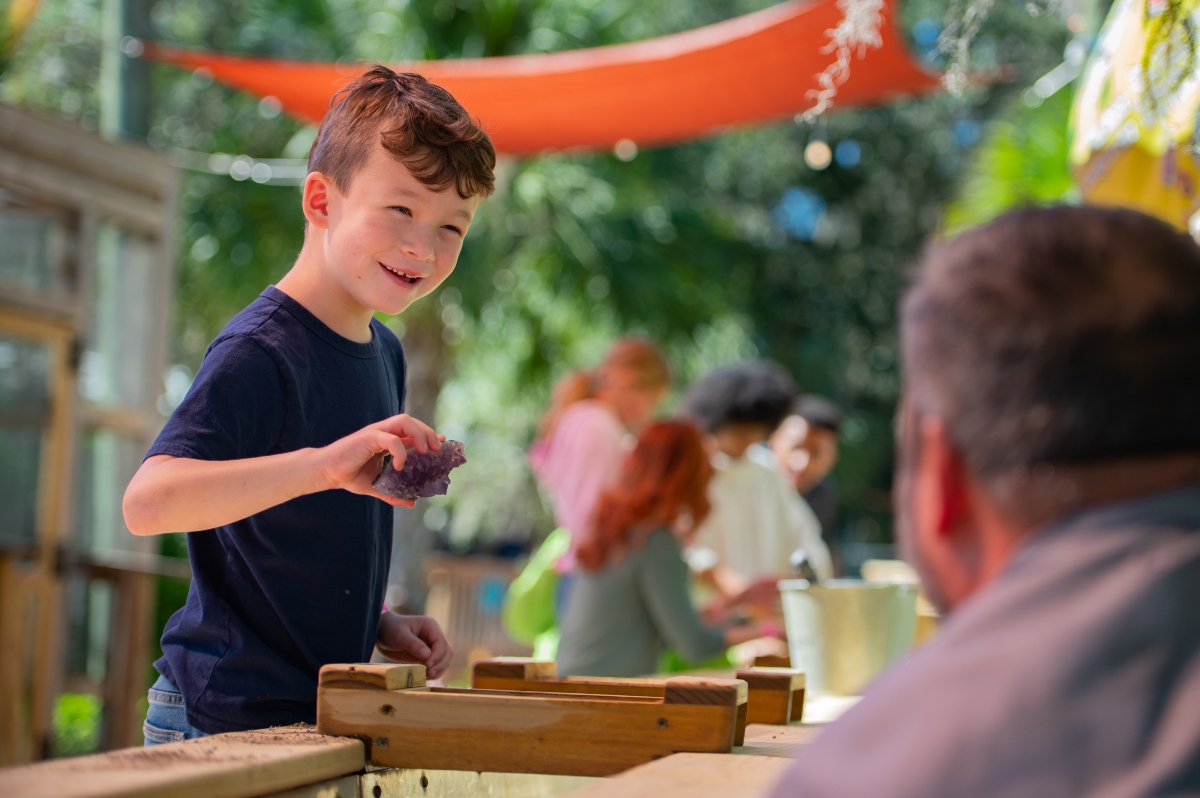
(1076, 673)
(619, 620)
(757, 520)
(582, 456)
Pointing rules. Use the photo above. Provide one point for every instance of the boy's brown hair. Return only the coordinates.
(418, 122)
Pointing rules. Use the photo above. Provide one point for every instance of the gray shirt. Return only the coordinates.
(618, 620)
(1077, 673)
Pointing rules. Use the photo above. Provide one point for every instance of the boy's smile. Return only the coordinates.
(403, 276)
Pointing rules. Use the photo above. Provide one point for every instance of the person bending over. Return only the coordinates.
(758, 521)
(269, 460)
(1048, 493)
(630, 599)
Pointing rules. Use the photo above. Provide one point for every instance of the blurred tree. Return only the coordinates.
(15, 17)
(1022, 161)
(723, 249)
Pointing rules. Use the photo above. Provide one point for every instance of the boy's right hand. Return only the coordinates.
(353, 462)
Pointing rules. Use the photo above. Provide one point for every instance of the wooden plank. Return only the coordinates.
(781, 741)
(636, 699)
(694, 776)
(525, 674)
(131, 167)
(139, 213)
(776, 694)
(367, 676)
(125, 681)
(405, 783)
(520, 733)
(508, 668)
(345, 787)
(700, 690)
(239, 765)
(539, 676)
(19, 582)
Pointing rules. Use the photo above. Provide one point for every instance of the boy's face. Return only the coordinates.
(389, 238)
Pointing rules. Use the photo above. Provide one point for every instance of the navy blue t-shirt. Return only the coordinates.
(283, 592)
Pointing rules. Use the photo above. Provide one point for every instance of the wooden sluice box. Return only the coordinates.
(776, 695)
(406, 724)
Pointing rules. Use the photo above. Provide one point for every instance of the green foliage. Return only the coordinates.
(56, 66)
(76, 724)
(1021, 161)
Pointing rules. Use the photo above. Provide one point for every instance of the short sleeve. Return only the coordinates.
(235, 408)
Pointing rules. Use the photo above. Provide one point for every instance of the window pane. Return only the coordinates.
(107, 461)
(115, 365)
(24, 414)
(33, 258)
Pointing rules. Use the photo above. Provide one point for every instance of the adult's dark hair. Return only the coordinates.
(1058, 336)
(818, 412)
(418, 122)
(747, 393)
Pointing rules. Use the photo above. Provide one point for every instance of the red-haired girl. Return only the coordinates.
(630, 598)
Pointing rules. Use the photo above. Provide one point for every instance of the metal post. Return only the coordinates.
(125, 78)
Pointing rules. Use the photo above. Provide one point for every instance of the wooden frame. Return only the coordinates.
(776, 695)
(522, 732)
(90, 183)
(29, 584)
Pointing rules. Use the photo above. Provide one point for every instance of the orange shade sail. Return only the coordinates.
(755, 68)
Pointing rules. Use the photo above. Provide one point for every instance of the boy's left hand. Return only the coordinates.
(414, 638)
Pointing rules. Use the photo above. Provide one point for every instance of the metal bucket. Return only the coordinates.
(843, 632)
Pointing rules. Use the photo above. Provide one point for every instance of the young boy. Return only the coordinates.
(269, 460)
(757, 521)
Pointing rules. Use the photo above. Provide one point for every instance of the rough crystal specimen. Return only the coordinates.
(423, 475)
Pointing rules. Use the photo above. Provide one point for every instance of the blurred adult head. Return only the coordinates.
(806, 443)
(1052, 362)
(664, 483)
(633, 379)
(740, 405)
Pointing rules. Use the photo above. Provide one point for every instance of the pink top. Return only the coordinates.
(581, 457)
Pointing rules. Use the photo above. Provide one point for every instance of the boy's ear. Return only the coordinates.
(318, 191)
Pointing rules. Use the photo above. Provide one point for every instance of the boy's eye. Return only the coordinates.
(452, 229)
(402, 210)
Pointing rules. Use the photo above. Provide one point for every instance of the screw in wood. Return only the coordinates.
(381, 742)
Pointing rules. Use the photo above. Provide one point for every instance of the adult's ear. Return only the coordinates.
(319, 193)
(945, 478)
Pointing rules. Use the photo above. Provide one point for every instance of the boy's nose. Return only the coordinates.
(418, 247)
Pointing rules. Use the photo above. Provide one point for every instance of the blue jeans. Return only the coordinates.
(167, 722)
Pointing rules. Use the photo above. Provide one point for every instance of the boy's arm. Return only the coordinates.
(177, 494)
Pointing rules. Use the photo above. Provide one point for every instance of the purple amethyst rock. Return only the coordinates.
(423, 475)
